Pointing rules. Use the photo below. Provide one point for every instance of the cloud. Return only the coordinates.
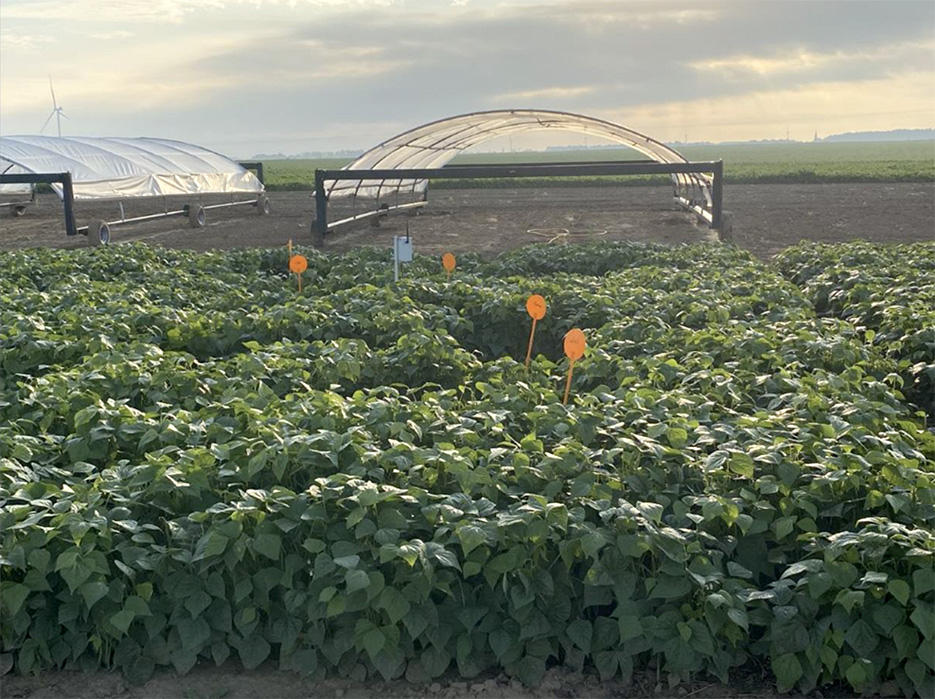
(341, 71)
(10, 41)
(155, 11)
(828, 107)
(802, 60)
(765, 65)
(600, 18)
(543, 93)
(113, 36)
(103, 11)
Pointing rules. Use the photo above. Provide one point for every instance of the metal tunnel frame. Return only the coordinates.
(68, 192)
(407, 161)
(711, 214)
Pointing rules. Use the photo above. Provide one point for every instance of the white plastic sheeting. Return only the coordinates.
(435, 144)
(123, 168)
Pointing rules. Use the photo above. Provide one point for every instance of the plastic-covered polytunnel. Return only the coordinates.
(119, 169)
(124, 168)
(404, 163)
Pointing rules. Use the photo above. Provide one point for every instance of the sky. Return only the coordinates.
(265, 76)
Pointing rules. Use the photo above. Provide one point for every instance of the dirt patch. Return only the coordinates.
(209, 682)
(767, 218)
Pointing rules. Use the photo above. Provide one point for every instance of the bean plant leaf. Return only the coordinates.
(253, 650)
(788, 671)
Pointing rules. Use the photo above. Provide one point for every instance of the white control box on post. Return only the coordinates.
(402, 252)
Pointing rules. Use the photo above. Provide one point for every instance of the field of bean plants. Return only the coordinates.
(200, 464)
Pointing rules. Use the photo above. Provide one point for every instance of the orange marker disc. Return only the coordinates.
(535, 307)
(448, 262)
(574, 344)
(298, 264)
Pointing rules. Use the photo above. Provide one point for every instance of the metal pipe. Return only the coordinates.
(167, 214)
(377, 212)
(137, 219)
(701, 212)
(227, 204)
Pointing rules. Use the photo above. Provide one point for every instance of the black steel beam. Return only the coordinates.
(717, 195)
(570, 162)
(68, 191)
(256, 166)
(540, 170)
(320, 224)
(68, 201)
(30, 178)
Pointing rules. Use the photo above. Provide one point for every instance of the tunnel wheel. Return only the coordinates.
(98, 233)
(196, 216)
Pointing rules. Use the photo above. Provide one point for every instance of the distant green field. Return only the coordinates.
(907, 161)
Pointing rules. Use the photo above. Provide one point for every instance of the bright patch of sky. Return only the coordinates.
(251, 76)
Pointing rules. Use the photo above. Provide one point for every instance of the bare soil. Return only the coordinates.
(205, 681)
(766, 219)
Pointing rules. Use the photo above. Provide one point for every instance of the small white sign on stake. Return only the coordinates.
(404, 248)
(402, 252)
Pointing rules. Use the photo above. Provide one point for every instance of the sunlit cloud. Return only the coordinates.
(799, 59)
(545, 93)
(900, 101)
(759, 65)
(103, 11)
(281, 72)
(333, 70)
(600, 18)
(10, 41)
(155, 11)
(113, 36)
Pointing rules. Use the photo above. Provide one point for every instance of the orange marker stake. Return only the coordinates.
(448, 262)
(535, 307)
(298, 264)
(574, 350)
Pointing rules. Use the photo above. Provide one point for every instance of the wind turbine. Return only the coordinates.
(57, 112)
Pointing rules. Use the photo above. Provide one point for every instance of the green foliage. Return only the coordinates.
(363, 480)
(887, 292)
